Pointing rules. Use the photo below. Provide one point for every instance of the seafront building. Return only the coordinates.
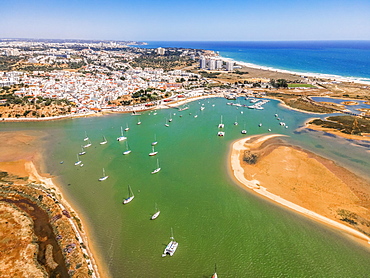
(215, 64)
(229, 66)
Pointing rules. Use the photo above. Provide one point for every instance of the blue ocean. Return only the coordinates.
(340, 58)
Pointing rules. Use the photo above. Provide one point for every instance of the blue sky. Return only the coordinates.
(192, 20)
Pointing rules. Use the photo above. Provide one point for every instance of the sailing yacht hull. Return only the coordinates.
(155, 215)
(128, 200)
(156, 170)
(170, 249)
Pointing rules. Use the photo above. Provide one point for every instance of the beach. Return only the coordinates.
(21, 159)
(304, 182)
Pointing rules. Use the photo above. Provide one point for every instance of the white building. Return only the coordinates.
(229, 66)
(212, 64)
(219, 64)
(202, 63)
(160, 51)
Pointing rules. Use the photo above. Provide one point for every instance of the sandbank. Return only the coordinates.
(263, 178)
(21, 155)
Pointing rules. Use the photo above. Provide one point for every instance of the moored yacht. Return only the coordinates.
(155, 140)
(171, 247)
(121, 138)
(86, 137)
(157, 169)
(131, 196)
(88, 144)
(104, 177)
(156, 214)
(127, 151)
(153, 152)
(82, 151)
(78, 162)
(104, 141)
(221, 125)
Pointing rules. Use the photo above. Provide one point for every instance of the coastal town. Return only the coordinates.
(57, 79)
(49, 80)
(91, 77)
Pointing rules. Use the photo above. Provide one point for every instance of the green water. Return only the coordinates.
(214, 220)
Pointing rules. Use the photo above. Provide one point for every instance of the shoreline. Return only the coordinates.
(24, 158)
(238, 173)
(333, 131)
(94, 114)
(359, 80)
(83, 234)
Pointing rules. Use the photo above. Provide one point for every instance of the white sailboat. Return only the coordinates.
(156, 214)
(138, 122)
(131, 196)
(244, 131)
(104, 141)
(221, 125)
(171, 247)
(78, 162)
(127, 151)
(82, 151)
(157, 169)
(121, 138)
(236, 121)
(86, 137)
(155, 140)
(88, 144)
(153, 152)
(127, 128)
(104, 177)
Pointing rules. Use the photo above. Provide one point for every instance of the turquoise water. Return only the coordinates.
(214, 220)
(343, 58)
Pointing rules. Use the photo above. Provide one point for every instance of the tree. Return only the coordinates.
(282, 83)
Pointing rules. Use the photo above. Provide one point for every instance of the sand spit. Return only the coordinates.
(21, 182)
(284, 175)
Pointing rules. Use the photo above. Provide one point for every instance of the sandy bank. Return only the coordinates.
(297, 180)
(21, 155)
(365, 137)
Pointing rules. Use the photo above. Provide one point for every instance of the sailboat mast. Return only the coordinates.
(172, 238)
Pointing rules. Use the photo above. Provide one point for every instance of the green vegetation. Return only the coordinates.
(280, 83)
(144, 95)
(345, 124)
(169, 61)
(347, 216)
(298, 85)
(13, 99)
(250, 158)
(241, 72)
(209, 74)
(300, 102)
(7, 62)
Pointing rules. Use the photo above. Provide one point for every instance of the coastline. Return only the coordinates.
(238, 173)
(335, 132)
(23, 157)
(308, 74)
